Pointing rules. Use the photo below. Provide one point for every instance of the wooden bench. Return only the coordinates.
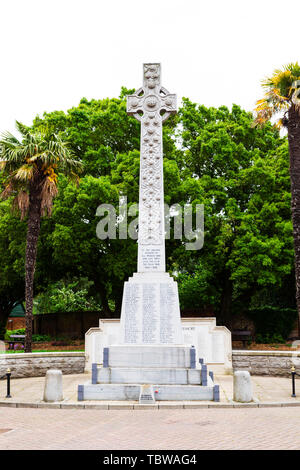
(241, 335)
(14, 340)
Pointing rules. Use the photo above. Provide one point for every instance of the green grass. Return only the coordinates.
(40, 350)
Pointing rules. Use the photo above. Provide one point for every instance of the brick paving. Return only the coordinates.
(271, 422)
(30, 390)
(248, 428)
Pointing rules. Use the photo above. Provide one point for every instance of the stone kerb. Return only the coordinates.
(271, 363)
(36, 364)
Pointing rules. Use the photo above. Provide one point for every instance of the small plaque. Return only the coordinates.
(146, 395)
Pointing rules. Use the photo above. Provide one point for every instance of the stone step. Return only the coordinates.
(121, 392)
(145, 356)
(163, 376)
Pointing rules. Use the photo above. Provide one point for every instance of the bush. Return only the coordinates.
(20, 331)
(67, 296)
(269, 339)
(272, 325)
(40, 338)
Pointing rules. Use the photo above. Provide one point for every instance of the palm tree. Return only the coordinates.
(30, 167)
(281, 96)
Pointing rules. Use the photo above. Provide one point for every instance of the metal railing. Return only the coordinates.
(8, 376)
(293, 372)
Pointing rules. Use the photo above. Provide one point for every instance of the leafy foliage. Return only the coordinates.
(67, 296)
(240, 174)
(21, 331)
(272, 324)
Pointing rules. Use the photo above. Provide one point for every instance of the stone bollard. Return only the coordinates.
(53, 390)
(242, 386)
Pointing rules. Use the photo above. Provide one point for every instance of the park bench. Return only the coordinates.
(14, 340)
(241, 335)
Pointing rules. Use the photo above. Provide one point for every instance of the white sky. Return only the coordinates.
(54, 52)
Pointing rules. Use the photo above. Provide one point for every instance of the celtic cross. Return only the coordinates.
(152, 105)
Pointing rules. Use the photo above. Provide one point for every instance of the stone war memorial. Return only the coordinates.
(151, 354)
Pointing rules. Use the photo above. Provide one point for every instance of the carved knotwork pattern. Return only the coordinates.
(151, 104)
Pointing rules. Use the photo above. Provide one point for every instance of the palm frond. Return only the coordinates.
(278, 94)
(9, 138)
(8, 191)
(74, 178)
(24, 130)
(37, 159)
(21, 203)
(25, 173)
(49, 192)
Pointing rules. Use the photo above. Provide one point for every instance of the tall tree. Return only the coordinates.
(240, 174)
(281, 96)
(31, 166)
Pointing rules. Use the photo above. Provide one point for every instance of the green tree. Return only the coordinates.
(31, 166)
(67, 295)
(98, 130)
(240, 174)
(75, 246)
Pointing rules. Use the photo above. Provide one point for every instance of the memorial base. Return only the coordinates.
(171, 370)
(122, 392)
(164, 376)
(144, 355)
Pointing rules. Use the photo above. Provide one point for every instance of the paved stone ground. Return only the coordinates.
(265, 389)
(224, 428)
(265, 424)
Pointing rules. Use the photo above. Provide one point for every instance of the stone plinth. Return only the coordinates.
(212, 343)
(164, 376)
(171, 370)
(166, 356)
(132, 392)
(150, 310)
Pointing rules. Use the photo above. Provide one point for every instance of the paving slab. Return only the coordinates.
(217, 428)
(28, 392)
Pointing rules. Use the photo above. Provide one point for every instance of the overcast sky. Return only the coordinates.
(54, 52)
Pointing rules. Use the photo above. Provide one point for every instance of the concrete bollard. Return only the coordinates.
(53, 390)
(242, 386)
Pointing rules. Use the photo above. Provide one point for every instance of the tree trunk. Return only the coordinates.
(294, 150)
(99, 287)
(226, 301)
(33, 230)
(5, 309)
